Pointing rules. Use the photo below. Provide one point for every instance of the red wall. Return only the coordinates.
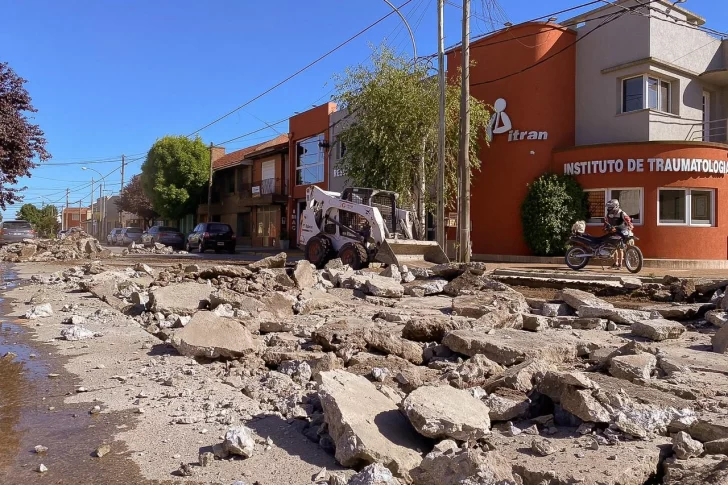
(541, 98)
(658, 241)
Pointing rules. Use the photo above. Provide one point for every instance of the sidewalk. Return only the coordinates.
(267, 251)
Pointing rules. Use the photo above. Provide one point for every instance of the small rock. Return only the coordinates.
(542, 447)
(379, 373)
(42, 468)
(185, 470)
(95, 410)
(206, 459)
(685, 446)
(102, 450)
(240, 441)
(40, 449)
(512, 430)
(531, 430)
(374, 474)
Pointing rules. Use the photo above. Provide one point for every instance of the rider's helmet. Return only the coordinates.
(613, 206)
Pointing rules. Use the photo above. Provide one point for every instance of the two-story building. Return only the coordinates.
(250, 191)
(632, 100)
(75, 217)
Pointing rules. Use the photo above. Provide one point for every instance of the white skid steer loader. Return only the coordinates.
(362, 226)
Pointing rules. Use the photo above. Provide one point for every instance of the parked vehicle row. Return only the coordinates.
(15, 231)
(205, 236)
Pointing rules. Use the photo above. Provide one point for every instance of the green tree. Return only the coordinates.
(175, 174)
(44, 220)
(553, 204)
(391, 138)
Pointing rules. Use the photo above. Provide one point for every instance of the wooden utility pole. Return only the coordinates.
(63, 217)
(123, 165)
(464, 158)
(91, 226)
(209, 189)
(440, 222)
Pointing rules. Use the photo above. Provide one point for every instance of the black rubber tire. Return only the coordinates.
(318, 250)
(200, 247)
(584, 261)
(355, 255)
(188, 248)
(638, 255)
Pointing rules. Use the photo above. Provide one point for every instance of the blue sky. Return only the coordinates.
(110, 77)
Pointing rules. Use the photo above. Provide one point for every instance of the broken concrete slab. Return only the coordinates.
(366, 425)
(522, 377)
(433, 329)
(271, 262)
(39, 311)
(384, 339)
(239, 441)
(374, 474)
(685, 447)
(720, 340)
(384, 287)
(716, 447)
(675, 311)
(428, 287)
(658, 329)
(498, 306)
(719, 318)
(507, 404)
(221, 270)
(556, 310)
(508, 347)
(450, 465)
(535, 323)
(304, 274)
(446, 412)
(698, 471)
(450, 271)
(579, 323)
(77, 332)
(210, 336)
(473, 372)
(621, 316)
(631, 367)
(578, 298)
(236, 300)
(182, 299)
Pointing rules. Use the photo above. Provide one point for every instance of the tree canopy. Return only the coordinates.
(133, 199)
(175, 174)
(21, 142)
(393, 106)
(44, 220)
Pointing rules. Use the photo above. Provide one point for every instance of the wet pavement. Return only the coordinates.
(32, 412)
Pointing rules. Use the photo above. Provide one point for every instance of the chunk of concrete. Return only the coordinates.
(39, 311)
(384, 287)
(428, 287)
(445, 412)
(506, 404)
(374, 474)
(239, 441)
(182, 299)
(236, 300)
(474, 372)
(449, 465)
(698, 471)
(210, 336)
(556, 310)
(271, 262)
(220, 270)
(522, 377)
(716, 447)
(366, 425)
(384, 340)
(720, 340)
(621, 316)
(77, 332)
(719, 318)
(685, 447)
(535, 323)
(631, 367)
(508, 347)
(676, 311)
(432, 329)
(304, 274)
(577, 299)
(658, 329)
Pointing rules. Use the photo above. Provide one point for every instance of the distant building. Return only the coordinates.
(75, 217)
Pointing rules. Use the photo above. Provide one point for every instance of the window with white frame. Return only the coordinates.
(76, 217)
(310, 160)
(686, 207)
(646, 92)
(340, 148)
(630, 201)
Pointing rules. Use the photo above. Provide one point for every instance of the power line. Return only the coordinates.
(299, 71)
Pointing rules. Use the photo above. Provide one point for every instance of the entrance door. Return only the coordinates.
(268, 225)
(706, 116)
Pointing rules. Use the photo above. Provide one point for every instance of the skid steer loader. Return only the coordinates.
(361, 226)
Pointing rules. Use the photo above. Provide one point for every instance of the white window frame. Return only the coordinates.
(608, 197)
(75, 217)
(688, 207)
(646, 92)
(320, 163)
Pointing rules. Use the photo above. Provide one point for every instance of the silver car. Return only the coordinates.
(15, 231)
(130, 235)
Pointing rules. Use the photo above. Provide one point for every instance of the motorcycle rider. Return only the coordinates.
(617, 220)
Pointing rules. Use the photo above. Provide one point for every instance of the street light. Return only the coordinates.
(101, 182)
(406, 24)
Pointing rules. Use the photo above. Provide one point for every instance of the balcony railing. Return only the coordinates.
(715, 131)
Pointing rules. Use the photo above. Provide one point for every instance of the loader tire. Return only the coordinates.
(355, 255)
(318, 249)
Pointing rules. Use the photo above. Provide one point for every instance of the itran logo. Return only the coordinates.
(500, 123)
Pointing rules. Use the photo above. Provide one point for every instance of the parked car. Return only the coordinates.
(169, 236)
(211, 235)
(130, 235)
(15, 231)
(61, 234)
(113, 237)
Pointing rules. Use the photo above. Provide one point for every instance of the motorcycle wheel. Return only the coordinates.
(633, 259)
(576, 258)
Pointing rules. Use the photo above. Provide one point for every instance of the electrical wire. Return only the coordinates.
(312, 63)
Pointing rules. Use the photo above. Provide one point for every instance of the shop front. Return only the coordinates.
(675, 192)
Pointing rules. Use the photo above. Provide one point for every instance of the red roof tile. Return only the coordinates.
(234, 158)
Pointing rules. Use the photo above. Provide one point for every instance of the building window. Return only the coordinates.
(630, 201)
(691, 207)
(231, 183)
(340, 149)
(659, 92)
(310, 160)
(75, 217)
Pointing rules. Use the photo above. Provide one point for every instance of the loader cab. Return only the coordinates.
(384, 200)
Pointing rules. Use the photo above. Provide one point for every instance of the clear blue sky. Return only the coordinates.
(110, 77)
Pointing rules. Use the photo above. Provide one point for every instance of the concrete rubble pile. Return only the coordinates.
(444, 376)
(157, 248)
(77, 245)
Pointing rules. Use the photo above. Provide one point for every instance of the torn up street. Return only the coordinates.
(272, 373)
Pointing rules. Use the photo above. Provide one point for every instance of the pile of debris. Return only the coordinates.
(157, 248)
(76, 245)
(446, 376)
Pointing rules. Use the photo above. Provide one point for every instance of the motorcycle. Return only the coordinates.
(584, 247)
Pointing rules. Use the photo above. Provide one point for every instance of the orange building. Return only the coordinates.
(631, 114)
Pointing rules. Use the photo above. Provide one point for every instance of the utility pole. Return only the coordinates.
(121, 214)
(440, 222)
(91, 227)
(101, 209)
(464, 160)
(209, 189)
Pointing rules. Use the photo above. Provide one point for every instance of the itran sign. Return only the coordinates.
(500, 123)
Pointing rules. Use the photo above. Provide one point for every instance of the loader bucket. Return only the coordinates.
(410, 251)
